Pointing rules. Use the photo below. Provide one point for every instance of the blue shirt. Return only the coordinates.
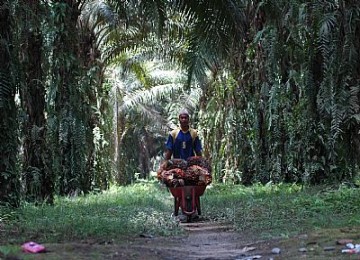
(184, 146)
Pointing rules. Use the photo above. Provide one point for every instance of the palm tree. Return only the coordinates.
(67, 120)
(38, 180)
(9, 181)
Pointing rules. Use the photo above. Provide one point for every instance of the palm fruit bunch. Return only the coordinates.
(200, 161)
(195, 171)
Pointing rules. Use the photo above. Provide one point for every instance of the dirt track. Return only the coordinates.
(203, 239)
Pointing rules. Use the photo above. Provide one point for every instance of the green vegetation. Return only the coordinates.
(272, 87)
(146, 209)
(284, 210)
(134, 210)
(89, 91)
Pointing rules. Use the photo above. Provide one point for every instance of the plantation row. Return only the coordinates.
(90, 89)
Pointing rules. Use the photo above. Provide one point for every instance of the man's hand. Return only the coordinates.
(168, 155)
(164, 165)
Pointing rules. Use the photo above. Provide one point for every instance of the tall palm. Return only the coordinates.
(67, 120)
(9, 181)
(38, 181)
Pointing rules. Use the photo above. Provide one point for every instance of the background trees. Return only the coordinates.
(91, 88)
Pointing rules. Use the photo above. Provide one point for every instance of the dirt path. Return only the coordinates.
(202, 240)
(206, 240)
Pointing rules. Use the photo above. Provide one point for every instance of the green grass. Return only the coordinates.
(284, 210)
(143, 208)
(146, 208)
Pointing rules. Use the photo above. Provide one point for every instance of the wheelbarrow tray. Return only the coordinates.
(187, 198)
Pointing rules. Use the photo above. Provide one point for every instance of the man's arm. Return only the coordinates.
(168, 155)
(198, 146)
(169, 147)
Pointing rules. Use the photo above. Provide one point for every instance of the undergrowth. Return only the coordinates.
(146, 209)
(284, 210)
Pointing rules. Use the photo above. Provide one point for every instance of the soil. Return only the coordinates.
(209, 240)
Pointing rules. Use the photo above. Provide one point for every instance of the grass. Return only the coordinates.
(284, 210)
(146, 208)
(142, 208)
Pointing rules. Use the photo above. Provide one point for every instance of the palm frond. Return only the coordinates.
(151, 96)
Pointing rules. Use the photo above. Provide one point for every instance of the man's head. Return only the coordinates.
(184, 118)
(184, 112)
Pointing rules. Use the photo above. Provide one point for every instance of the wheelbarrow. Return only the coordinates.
(188, 199)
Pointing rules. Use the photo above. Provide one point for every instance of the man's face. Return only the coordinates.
(184, 120)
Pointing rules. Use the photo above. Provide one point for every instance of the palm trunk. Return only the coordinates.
(38, 180)
(9, 183)
(69, 136)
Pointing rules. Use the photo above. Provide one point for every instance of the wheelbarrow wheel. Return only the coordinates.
(198, 207)
(188, 204)
(176, 206)
(188, 218)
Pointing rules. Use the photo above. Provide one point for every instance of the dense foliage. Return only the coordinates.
(89, 90)
(291, 95)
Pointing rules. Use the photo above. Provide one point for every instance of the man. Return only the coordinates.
(183, 142)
